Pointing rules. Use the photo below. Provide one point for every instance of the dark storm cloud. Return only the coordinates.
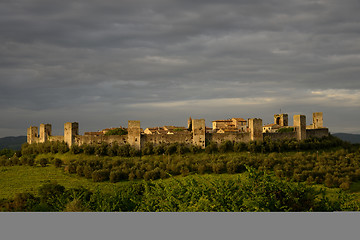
(104, 62)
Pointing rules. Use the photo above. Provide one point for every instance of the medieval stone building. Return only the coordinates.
(196, 133)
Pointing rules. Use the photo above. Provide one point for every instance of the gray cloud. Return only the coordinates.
(104, 62)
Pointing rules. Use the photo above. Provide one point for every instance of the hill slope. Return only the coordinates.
(353, 138)
(12, 142)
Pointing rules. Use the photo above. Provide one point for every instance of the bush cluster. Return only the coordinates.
(257, 191)
(334, 169)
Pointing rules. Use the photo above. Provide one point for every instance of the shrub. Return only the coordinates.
(116, 131)
(345, 185)
(182, 149)
(113, 150)
(3, 160)
(49, 191)
(24, 202)
(226, 146)
(75, 149)
(134, 153)
(8, 152)
(75, 205)
(163, 174)
(132, 176)
(14, 160)
(31, 161)
(285, 130)
(118, 175)
(80, 170)
(124, 150)
(100, 175)
(201, 168)
(88, 149)
(184, 171)
(24, 160)
(218, 167)
(159, 149)
(102, 149)
(58, 162)
(240, 147)
(71, 168)
(43, 162)
(171, 149)
(232, 167)
(194, 149)
(88, 171)
(148, 149)
(211, 148)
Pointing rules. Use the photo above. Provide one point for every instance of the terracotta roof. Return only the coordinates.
(273, 125)
(222, 121)
(240, 119)
(173, 127)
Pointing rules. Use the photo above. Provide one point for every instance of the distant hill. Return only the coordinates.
(353, 138)
(12, 142)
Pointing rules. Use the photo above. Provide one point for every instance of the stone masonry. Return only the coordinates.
(195, 135)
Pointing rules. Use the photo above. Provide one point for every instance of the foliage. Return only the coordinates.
(43, 162)
(58, 162)
(285, 130)
(252, 191)
(117, 131)
(7, 152)
(100, 175)
(178, 130)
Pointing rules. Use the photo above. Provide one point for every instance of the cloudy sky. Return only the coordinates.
(104, 62)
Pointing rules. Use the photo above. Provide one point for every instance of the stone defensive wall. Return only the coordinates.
(156, 139)
(196, 135)
(231, 136)
(280, 136)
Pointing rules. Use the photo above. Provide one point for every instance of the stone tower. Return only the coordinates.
(45, 132)
(281, 120)
(300, 126)
(70, 131)
(189, 125)
(32, 135)
(198, 129)
(317, 120)
(134, 134)
(255, 128)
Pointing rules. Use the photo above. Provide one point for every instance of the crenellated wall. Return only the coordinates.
(230, 136)
(56, 138)
(89, 139)
(183, 137)
(196, 136)
(280, 136)
(317, 133)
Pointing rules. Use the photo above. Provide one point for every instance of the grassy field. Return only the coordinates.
(18, 179)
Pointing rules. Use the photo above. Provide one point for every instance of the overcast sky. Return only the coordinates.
(102, 63)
